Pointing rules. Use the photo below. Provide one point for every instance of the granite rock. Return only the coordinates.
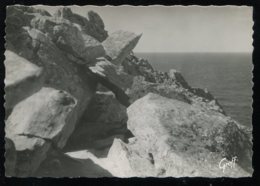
(119, 44)
(37, 123)
(22, 79)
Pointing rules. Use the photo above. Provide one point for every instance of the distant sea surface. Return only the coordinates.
(228, 76)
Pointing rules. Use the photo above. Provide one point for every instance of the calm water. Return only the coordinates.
(227, 76)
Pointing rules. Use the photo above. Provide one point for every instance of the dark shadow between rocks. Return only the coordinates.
(99, 146)
(61, 165)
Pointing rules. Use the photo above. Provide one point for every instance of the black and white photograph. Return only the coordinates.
(128, 91)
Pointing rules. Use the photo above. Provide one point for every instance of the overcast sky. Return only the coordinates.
(179, 28)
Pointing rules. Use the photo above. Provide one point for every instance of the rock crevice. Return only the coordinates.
(80, 103)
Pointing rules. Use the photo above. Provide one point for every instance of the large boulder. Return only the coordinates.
(180, 138)
(59, 72)
(119, 44)
(91, 25)
(37, 123)
(22, 79)
(129, 160)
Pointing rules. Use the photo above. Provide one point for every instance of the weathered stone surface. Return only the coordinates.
(119, 44)
(122, 161)
(112, 73)
(92, 25)
(69, 38)
(17, 17)
(127, 160)
(186, 135)
(104, 120)
(59, 72)
(22, 79)
(36, 123)
(170, 129)
(10, 157)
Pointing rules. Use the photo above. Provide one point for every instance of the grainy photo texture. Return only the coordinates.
(128, 91)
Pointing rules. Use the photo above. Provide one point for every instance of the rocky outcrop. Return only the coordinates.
(141, 67)
(37, 123)
(178, 139)
(81, 48)
(93, 25)
(119, 44)
(82, 104)
(140, 88)
(169, 84)
(59, 71)
(22, 79)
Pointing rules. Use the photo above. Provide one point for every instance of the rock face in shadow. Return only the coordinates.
(91, 25)
(119, 44)
(61, 165)
(37, 123)
(69, 38)
(104, 120)
(60, 72)
(80, 103)
(22, 79)
(10, 157)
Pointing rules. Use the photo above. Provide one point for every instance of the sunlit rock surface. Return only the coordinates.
(22, 79)
(84, 105)
(35, 124)
(119, 44)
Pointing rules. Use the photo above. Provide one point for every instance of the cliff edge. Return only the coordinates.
(80, 103)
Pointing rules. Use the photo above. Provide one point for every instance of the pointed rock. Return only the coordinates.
(119, 44)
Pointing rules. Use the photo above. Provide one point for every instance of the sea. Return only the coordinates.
(228, 76)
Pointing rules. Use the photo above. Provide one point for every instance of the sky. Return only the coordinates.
(179, 28)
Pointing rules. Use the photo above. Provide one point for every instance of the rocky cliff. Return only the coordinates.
(80, 103)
